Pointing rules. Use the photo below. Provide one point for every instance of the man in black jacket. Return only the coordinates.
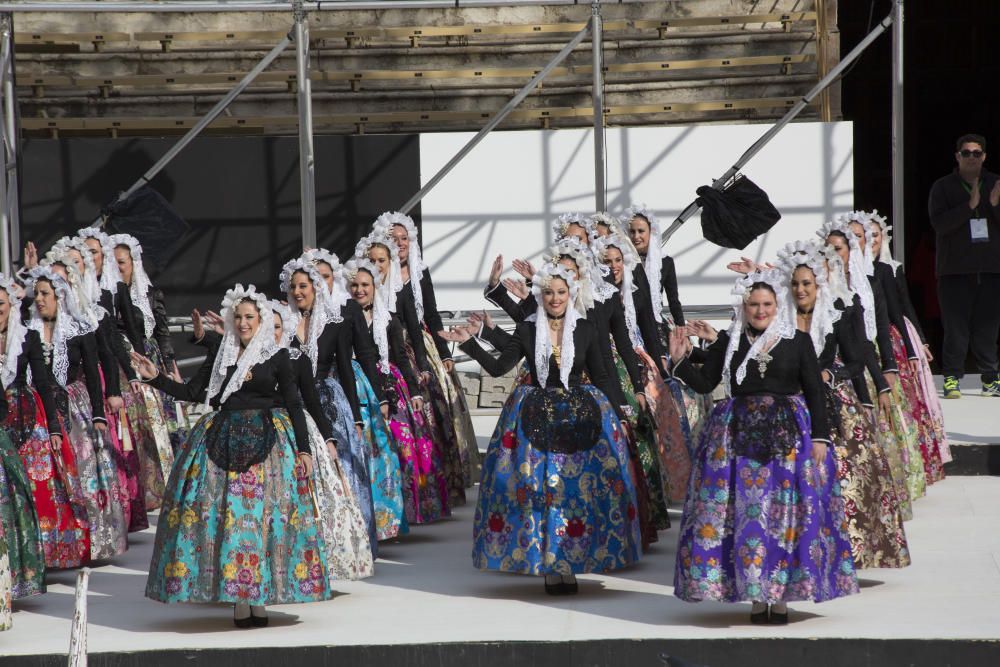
(964, 209)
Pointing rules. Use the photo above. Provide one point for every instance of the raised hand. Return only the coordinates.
(495, 271)
(197, 328)
(702, 330)
(517, 288)
(745, 265)
(30, 255)
(678, 344)
(525, 268)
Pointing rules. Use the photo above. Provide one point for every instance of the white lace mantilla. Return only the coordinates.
(141, 285)
(654, 255)
(324, 310)
(543, 343)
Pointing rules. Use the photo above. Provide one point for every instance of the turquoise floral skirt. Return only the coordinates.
(237, 535)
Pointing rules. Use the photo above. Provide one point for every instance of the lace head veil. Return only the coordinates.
(393, 281)
(260, 348)
(781, 327)
(323, 310)
(338, 291)
(825, 314)
(380, 306)
(654, 254)
(70, 321)
(856, 268)
(543, 344)
(16, 333)
(884, 253)
(110, 275)
(141, 285)
(383, 225)
(630, 260)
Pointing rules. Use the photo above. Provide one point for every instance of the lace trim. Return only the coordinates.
(653, 263)
(338, 291)
(825, 313)
(543, 344)
(260, 348)
(380, 308)
(858, 282)
(16, 334)
(782, 326)
(383, 225)
(141, 285)
(393, 281)
(324, 310)
(110, 274)
(630, 259)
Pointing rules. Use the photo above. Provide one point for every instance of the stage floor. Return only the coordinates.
(426, 591)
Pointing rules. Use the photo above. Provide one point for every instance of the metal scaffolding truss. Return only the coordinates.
(299, 35)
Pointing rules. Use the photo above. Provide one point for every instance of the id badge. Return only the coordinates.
(979, 230)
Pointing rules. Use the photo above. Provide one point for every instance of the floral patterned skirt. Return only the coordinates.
(465, 434)
(26, 559)
(153, 460)
(425, 487)
(386, 484)
(227, 536)
(555, 495)
(343, 532)
(127, 465)
(930, 454)
(652, 484)
(759, 529)
(351, 451)
(97, 473)
(170, 410)
(5, 584)
(925, 379)
(893, 429)
(62, 517)
(672, 433)
(874, 519)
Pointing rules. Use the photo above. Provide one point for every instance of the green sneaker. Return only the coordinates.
(992, 388)
(951, 388)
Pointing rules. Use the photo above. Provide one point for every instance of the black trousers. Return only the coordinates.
(970, 314)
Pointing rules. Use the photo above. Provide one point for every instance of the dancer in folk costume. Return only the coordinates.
(423, 482)
(909, 350)
(323, 335)
(897, 431)
(874, 519)
(144, 326)
(238, 523)
(463, 457)
(70, 353)
(376, 436)
(659, 277)
(32, 424)
(556, 498)
(764, 518)
(149, 438)
(70, 259)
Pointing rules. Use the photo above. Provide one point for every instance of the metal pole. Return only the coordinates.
(207, 119)
(597, 46)
(898, 171)
(8, 148)
(830, 78)
(198, 6)
(495, 120)
(307, 167)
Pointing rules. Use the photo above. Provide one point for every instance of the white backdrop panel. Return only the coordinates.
(505, 195)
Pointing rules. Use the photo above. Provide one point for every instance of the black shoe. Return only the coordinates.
(570, 587)
(258, 621)
(555, 588)
(760, 617)
(778, 619)
(244, 622)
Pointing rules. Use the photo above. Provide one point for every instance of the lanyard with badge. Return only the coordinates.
(979, 230)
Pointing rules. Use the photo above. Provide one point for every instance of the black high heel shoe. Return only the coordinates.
(239, 620)
(570, 587)
(760, 617)
(261, 620)
(555, 588)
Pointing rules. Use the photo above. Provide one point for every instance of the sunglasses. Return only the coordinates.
(967, 153)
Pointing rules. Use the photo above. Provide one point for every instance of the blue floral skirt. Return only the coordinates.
(386, 479)
(555, 494)
(247, 534)
(762, 522)
(351, 451)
